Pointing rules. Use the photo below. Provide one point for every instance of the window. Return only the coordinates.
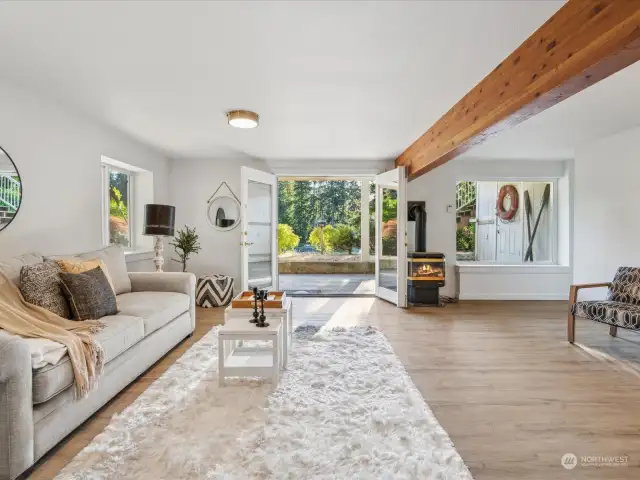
(506, 222)
(117, 205)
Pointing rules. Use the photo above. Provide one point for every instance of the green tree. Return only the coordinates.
(341, 238)
(286, 210)
(185, 243)
(319, 239)
(287, 239)
(117, 205)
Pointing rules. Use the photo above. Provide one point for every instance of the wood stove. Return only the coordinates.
(426, 274)
(426, 270)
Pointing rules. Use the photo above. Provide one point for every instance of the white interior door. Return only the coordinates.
(391, 236)
(259, 237)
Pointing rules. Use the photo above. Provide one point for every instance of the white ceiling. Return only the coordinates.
(603, 109)
(331, 80)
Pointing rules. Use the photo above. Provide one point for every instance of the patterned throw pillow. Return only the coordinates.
(40, 285)
(74, 265)
(89, 293)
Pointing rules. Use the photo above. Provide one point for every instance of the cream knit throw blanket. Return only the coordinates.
(30, 321)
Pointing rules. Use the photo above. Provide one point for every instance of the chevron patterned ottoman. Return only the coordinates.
(214, 291)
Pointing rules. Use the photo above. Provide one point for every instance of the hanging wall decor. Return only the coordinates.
(10, 189)
(223, 210)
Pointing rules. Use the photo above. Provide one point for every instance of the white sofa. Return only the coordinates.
(37, 407)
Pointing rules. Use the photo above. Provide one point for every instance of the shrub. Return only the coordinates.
(319, 239)
(465, 239)
(341, 238)
(287, 239)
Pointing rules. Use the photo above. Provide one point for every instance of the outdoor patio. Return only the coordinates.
(327, 284)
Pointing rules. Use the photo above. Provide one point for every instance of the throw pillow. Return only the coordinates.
(113, 257)
(90, 294)
(40, 285)
(72, 265)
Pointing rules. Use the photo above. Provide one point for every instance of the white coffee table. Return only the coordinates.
(285, 315)
(235, 359)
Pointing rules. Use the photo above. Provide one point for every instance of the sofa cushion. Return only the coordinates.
(40, 285)
(113, 258)
(120, 333)
(11, 267)
(77, 265)
(155, 308)
(625, 287)
(89, 293)
(620, 314)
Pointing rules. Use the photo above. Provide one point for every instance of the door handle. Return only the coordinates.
(246, 244)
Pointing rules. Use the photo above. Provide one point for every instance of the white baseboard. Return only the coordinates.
(515, 296)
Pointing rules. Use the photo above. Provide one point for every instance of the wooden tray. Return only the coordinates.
(246, 300)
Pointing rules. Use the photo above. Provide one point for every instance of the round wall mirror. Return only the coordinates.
(10, 190)
(224, 213)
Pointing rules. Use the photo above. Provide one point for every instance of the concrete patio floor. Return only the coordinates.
(327, 284)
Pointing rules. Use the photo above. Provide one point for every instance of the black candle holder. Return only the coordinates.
(261, 319)
(255, 306)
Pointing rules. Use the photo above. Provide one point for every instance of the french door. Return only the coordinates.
(259, 236)
(391, 236)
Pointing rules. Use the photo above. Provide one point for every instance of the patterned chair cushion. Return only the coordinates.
(214, 291)
(620, 314)
(625, 287)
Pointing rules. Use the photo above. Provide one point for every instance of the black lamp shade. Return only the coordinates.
(159, 220)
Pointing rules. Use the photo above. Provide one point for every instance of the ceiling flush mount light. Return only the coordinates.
(242, 119)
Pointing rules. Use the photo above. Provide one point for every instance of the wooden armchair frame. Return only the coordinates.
(573, 298)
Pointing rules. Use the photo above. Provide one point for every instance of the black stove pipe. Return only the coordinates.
(417, 212)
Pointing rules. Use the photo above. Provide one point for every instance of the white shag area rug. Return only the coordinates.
(345, 408)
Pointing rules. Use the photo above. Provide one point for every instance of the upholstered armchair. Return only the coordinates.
(621, 308)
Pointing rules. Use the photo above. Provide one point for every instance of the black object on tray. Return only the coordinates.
(259, 318)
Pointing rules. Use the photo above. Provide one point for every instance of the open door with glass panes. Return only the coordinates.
(391, 236)
(259, 235)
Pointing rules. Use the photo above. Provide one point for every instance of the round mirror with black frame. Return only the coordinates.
(223, 212)
(10, 189)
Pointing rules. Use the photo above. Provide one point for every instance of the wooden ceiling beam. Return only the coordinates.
(582, 43)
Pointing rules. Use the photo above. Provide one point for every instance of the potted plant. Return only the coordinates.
(185, 243)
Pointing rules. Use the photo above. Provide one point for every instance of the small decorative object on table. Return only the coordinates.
(246, 300)
(262, 296)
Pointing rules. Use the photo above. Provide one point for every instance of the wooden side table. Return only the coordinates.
(237, 360)
(284, 315)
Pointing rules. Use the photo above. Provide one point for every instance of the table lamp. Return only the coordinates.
(159, 221)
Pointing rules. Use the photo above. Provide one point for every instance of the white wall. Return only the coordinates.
(193, 181)
(57, 152)
(5, 164)
(606, 227)
(437, 189)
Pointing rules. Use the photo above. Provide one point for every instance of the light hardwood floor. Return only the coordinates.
(500, 377)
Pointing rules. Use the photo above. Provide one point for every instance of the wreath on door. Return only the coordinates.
(511, 192)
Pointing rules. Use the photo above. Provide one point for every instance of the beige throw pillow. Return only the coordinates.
(72, 265)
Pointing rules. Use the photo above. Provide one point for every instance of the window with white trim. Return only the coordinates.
(506, 222)
(117, 203)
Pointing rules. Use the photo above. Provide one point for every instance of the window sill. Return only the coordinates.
(138, 255)
(493, 268)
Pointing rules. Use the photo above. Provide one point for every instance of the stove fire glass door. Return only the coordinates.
(391, 236)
